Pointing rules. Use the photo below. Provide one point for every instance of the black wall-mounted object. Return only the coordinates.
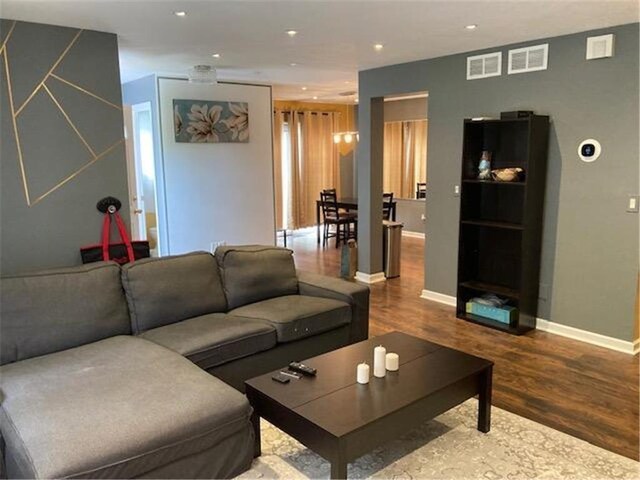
(500, 235)
(109, 205)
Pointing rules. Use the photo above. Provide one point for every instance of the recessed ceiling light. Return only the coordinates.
(315, 98)
(216, 55)
(180, 14)
(293, 64)
(304, 88)
(378, 46)
(357, 99)
(292, 33)
(473, 26)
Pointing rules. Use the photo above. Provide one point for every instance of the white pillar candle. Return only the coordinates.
(392, 362)
(379, 355)
(362, 373)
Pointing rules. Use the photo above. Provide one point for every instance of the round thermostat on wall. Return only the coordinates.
(589, 150)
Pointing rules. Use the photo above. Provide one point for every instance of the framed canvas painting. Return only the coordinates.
(210, 121)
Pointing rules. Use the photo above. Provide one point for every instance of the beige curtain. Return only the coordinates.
(313, 164)
(415, 153)
(278, 122)
(405, 157)
(293, 196)
(392, 158)
(318, 165)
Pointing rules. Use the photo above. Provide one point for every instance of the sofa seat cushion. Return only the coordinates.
(116, 408)
(215, 339)
(298, 316)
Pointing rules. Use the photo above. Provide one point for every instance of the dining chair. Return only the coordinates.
(334, 217)
(387, 205)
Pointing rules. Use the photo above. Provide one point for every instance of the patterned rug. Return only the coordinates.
(450, 447)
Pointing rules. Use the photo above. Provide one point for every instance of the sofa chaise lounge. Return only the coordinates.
(111, 372)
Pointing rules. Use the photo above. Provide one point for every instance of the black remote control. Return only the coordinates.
(278, 377)
(303, 369)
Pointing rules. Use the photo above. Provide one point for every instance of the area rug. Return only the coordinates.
(450, 447)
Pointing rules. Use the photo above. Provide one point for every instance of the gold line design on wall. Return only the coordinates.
(42, 84)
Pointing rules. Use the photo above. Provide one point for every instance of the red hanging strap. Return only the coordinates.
(124, 236)
(106, 236)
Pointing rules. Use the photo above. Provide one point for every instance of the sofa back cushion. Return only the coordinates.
(255, 272)
(55, 310)
(166, 290)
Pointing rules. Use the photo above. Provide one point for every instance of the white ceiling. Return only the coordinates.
(335, 38)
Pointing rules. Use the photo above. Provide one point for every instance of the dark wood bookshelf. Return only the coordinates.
(500, 235)
(494, 224)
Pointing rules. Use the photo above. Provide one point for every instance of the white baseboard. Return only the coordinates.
(370, 278)
(438, 297)
(588, 337)
(408, 233)
(543, 325)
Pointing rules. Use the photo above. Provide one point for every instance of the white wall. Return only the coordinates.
(218, 192)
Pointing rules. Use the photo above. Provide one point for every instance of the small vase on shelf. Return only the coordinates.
(484, 168)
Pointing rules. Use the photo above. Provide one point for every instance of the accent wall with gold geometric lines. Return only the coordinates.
(61, 141)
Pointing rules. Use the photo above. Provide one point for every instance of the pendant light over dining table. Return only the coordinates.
(346, 136)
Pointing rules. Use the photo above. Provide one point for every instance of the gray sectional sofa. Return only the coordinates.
(111, 372)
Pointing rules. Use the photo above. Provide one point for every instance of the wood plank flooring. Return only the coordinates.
(583, 390)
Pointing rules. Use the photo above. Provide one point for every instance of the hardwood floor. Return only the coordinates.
(583, 390)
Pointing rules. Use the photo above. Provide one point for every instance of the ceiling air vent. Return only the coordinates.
(484, 66)
(528, 59)
(600, 47)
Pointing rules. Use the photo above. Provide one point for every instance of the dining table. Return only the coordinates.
(348, 204)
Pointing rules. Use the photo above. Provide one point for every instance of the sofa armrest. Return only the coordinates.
(315, 285)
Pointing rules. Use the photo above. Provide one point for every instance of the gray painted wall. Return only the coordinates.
(143, 90)
(347, 174)
(590, 244)
(64, 179)
(409, 213)
(404, 110)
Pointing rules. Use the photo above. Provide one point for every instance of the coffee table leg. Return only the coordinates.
(484, 400)
(339, 470)
(339, 462)
(255, 421)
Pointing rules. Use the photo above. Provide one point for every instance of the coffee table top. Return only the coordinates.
(333, 399)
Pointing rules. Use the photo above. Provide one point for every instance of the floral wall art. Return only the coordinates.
(206, 121)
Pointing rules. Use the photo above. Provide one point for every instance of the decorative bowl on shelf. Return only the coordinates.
(507, 174)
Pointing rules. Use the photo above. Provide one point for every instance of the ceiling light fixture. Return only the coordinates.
(378, 46)
(315, 98)
(304, 88)
(204, 74)
(180, 14)
(292, 33)
(293, 64)
(349, 136)
(473, 26)
(216, 55)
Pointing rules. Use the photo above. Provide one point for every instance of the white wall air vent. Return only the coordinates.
(484, 66)
(600, 47)
(528, 59)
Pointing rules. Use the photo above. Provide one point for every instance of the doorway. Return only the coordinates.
(404, 164)
(141, 174)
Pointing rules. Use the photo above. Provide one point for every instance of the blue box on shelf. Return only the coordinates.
(506, 314)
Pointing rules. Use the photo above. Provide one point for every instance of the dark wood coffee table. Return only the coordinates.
(342, 420)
